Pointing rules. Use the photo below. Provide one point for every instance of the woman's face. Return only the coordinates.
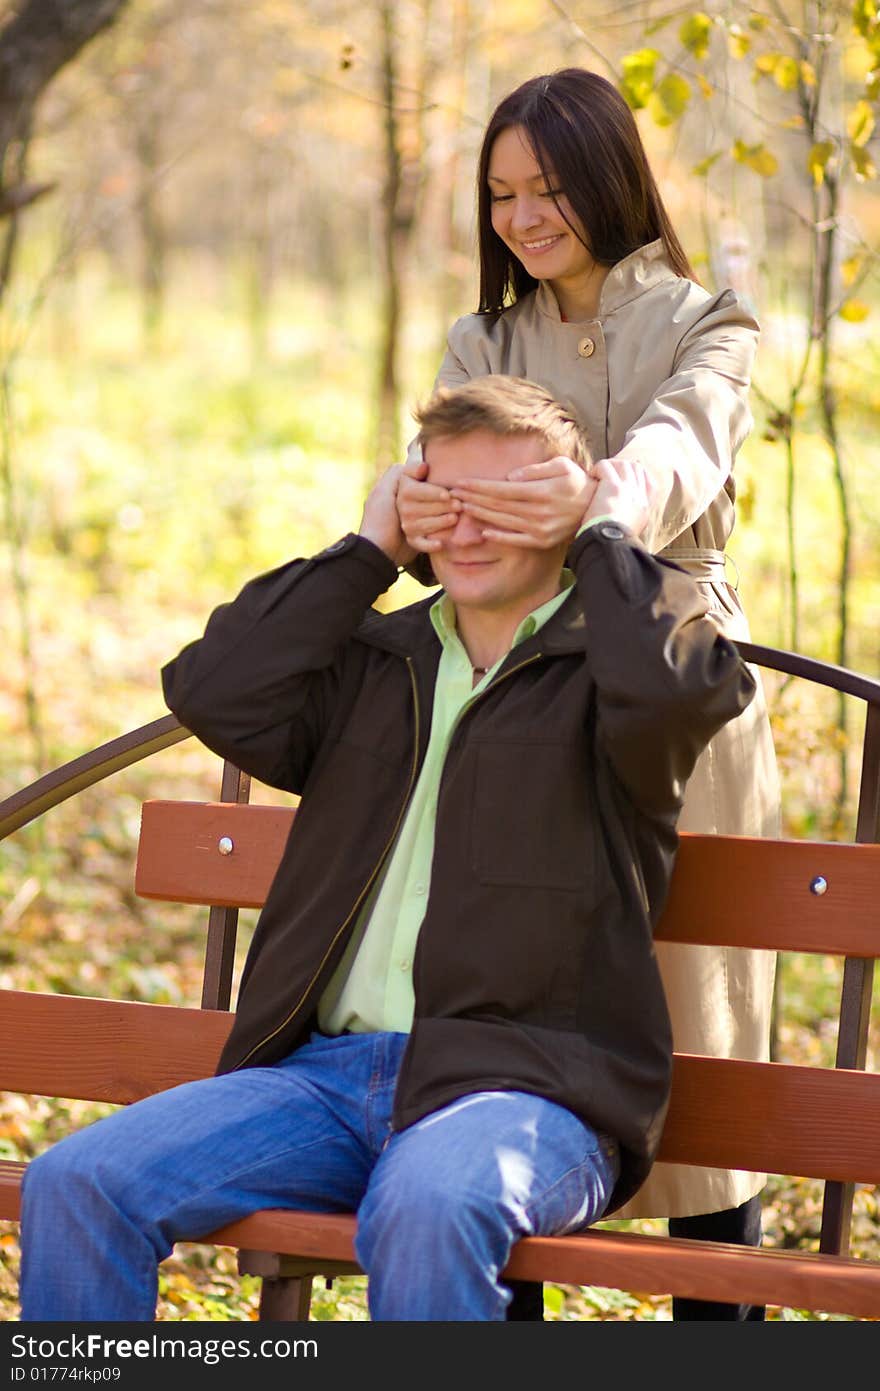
(529, 218)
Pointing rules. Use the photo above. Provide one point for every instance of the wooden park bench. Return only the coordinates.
(807, 1121)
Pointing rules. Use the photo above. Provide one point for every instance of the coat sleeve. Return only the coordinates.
(666, 678)
(697, 419)
(262, 684)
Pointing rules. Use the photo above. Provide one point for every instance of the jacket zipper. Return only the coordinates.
(364, 891)
(535, 657)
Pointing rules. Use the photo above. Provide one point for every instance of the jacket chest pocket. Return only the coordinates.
(532, 821)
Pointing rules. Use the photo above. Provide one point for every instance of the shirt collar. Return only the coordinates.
(443, 615)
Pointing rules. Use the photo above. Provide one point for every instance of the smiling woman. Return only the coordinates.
(586, 290)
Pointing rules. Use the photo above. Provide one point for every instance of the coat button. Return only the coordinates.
(611, 532)
(586, 347)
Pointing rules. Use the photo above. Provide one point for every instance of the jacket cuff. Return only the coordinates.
(605, 532)
(367, 553)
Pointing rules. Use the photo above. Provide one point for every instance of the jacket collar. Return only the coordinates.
(409, 632)
(629, 278)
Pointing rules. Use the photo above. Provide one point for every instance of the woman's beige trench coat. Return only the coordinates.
(662, 375)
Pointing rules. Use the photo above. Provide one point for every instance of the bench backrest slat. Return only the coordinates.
(180, 851)
(103, 1050)
(759, 890)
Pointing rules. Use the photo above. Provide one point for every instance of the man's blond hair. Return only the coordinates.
(502, 406)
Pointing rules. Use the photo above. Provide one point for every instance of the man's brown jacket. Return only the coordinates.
(555, 833)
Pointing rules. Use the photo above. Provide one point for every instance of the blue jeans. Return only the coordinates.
(439, 1205)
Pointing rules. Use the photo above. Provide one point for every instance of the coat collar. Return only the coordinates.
(629, 278)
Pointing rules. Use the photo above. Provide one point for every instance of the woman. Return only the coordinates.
(585, 288)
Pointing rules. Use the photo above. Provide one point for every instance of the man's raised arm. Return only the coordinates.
(260, 686)
(667, 679)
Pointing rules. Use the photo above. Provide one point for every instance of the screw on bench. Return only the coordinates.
(818, 886)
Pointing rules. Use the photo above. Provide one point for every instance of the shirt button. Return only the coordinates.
(586, 347)
(420, 889)
(405, 965)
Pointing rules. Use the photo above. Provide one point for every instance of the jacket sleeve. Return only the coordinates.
(261, 685)
(698, 418)
(666, 678)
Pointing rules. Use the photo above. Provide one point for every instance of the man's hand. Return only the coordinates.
(426, 511)
(537, 506)
(380, 522)
(625, 491)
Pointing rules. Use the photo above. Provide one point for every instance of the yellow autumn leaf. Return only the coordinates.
(808, 73)
(756, 157)
(862, 163)
(849, 269)
(786, 73)
(738, 41)
(865, 18)
(854, 311)
(637, 82)
(860, 123)
(695, 33)
(817, 160)
(705, 165)
(669, 99)
(784, 70)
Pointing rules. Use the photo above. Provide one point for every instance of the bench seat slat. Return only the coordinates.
(620, 1260)
(773, 1117)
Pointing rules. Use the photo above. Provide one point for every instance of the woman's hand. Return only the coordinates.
(625, 490)
(539, 506)
(425, 510)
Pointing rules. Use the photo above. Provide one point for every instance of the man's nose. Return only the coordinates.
(467, 531)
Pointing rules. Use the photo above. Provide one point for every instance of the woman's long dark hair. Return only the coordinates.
(582, 131)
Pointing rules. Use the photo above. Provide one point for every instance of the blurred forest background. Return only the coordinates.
(232, 239)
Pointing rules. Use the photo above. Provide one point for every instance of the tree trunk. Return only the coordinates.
(404, 173)
(152, 230)
(38, 40)
(387, 426)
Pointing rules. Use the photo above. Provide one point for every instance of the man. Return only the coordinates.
(450, 1018)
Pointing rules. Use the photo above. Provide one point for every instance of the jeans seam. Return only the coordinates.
(598, 1151)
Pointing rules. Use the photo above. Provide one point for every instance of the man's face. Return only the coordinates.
(483, 574)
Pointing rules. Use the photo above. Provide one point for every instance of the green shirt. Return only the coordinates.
(372, 987)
